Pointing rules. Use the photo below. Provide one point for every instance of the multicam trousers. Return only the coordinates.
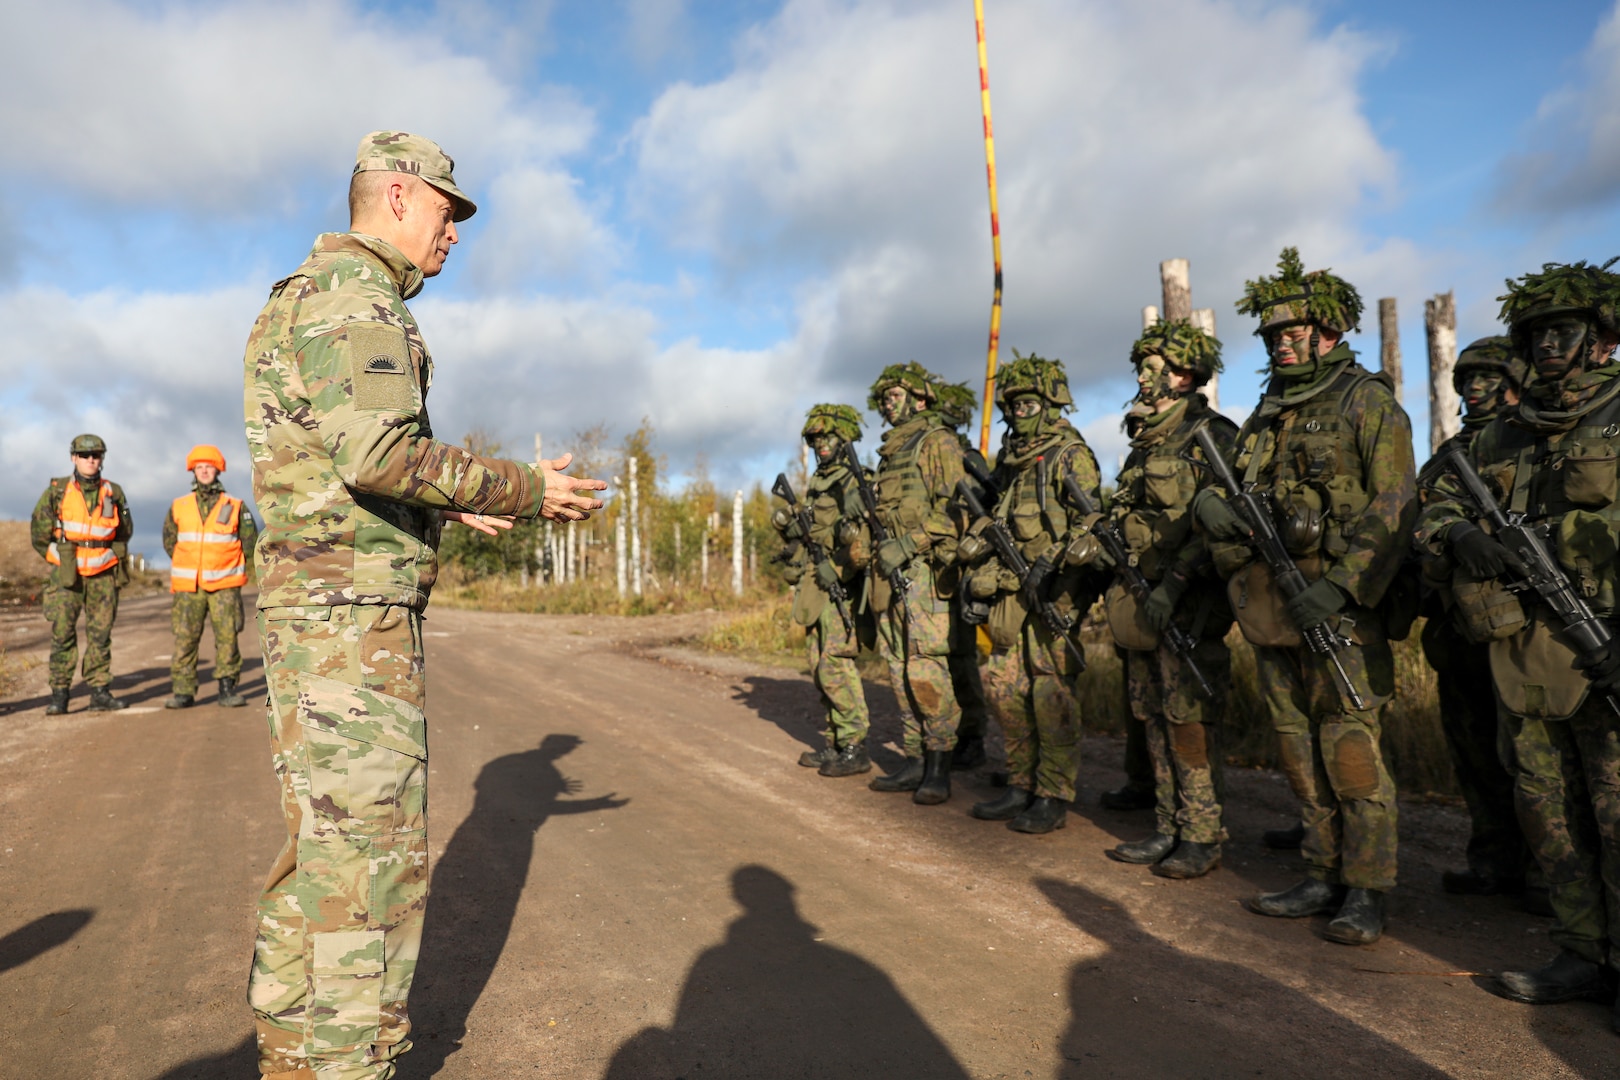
(223, 608)
(97, 598)
(915, 638)
(831, 650)
(1568, 789)
(1030, 687)
(1183, 730)
(1333, 761)
(340, 920)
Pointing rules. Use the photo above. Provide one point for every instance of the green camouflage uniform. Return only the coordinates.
(1182, 726)
(955, 407)
(351, 483)
(95, 597)
(222, 607)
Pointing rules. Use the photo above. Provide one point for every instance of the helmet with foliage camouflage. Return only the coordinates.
(1183, 346)
(840, 420)
(956, 403)
(1489, 354)
(1292, 297)
(1575, 289)
(87, 444)
(911, 375)
(1033, 374)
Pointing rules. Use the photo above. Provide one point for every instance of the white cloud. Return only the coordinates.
(656, 28)
(545, 231)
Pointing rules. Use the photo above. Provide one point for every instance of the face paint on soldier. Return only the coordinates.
(87, 465)
(1161, 385)
(1558, 344)
(1292, 344)
(825, 446)
(896, 405)
(1480, 390)
(205, 472)
(1024, 414)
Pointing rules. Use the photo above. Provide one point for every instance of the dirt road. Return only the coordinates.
(633, 880)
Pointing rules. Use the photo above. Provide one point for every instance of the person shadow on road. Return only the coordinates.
(776, 1003)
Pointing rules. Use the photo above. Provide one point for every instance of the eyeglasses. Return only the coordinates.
(90, 457)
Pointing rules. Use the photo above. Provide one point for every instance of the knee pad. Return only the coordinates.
(1352, 765)
(1191, 745)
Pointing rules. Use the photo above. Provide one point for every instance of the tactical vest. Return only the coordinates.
(1033, 505)
(832, 499)
(904, 499)
(89, 529)
(1153, 493)
(207, 551)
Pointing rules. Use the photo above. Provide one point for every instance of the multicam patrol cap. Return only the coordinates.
(839, 420)
(1292, 297)
(913, 376)
(1489, 354)
(1033, 375)
(1183, 346)
(400, 151)
(87, 444)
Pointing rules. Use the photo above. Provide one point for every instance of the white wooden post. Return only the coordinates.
(1204, 319)
(619, 551)
(737, 544)
(1440, 322)
(635, 530)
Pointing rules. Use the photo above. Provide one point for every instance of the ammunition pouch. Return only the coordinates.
(1127, 621)
(1261, 612)
(1536, 674)
(1486, 609)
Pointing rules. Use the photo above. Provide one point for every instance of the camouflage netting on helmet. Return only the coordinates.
(956, 402)
(1489, 354)
(911, 375)
(1292, 296)
(1182, 345)
(1559, 289)
(840, 420)
(1033, 374)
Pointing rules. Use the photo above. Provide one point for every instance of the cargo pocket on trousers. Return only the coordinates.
(367, 759)
(346, 998)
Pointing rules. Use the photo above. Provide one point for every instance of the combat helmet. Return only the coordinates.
(87, 444)
(1576, 288)
(911, 375)
(956, 403)
(1183, 346)
(1292, 297)
(1033, 374)
(1489, 354)
(841, 421)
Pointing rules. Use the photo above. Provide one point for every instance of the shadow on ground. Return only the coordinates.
(41, 936)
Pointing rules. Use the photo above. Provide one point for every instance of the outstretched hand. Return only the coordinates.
(562, 500)
(488, 524)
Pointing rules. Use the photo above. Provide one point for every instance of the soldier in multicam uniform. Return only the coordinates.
(86, 516)
(1151, 510)
(354, 488)
(1331, 447)
(209, 537)
(1030, 677)
(837, 528)
(956, 405)
(919, 463)
(1489, 378)
(1553, 460)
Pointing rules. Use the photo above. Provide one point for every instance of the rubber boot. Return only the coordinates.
(58, 705)
(936, 781)
(1309, 897)
(849, 760)
(815, 759)
(228, 697)
(1288, 839)
(1128, 798)
(969, 753)
(1010, 805)
(1360, 920)
(178, 700)
(908, 777)
(1567, 978)
(101, 700)
(1189, 860)
(1142, 852)
(1042, 816)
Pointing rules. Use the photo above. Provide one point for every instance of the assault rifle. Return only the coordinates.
(1029, 581)
(1181, 643)
(898, 585)
(814, 551)
(1255, 511)
(1540, 569)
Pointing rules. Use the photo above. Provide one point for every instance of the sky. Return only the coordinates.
(716, 215)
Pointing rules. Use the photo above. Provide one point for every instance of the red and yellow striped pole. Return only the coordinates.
(995, 229)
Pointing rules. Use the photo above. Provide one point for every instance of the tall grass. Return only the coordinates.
(593, 596)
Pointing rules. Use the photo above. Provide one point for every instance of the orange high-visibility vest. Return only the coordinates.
(207, 553)
(91, 529)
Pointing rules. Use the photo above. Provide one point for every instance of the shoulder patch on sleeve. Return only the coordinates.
(381, 367)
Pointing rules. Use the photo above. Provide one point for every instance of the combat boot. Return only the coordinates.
(1189, 860)
(969, 753)
(1360, 920)
(58, 705)
(1042, 816)
(178, 700)
(1142, 852)
(936, 780)
(1010, 805)
(1288, 839)
(815, 759)
(228, 697)
(908, 777)
(1309, 897)
(101, 700)
(1128, 798)
(1567, 978)
(849, 760)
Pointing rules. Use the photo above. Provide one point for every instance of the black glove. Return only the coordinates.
(1603, 669)
(827, 576)
(1218, 518)
(1481, 555)
(894, 553)
(1039, 571)
(1312, 607)
(1160, 606)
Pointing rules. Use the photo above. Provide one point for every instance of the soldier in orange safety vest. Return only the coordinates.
(209, 536)
(81, 526)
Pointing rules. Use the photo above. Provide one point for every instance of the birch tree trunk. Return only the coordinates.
(1440, 324)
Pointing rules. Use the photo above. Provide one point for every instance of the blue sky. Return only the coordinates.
(717, 214)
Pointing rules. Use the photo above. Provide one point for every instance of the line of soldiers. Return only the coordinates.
(209, 537)
(1304, 528)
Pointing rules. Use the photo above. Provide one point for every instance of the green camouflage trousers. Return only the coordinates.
(1033, 700)
(340, 920)
(223, 608)
(97, 597)
(966, 681)
(1333, 760)
(1568, 789)
(831, 651)
(918, 650)
(1183, 730)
